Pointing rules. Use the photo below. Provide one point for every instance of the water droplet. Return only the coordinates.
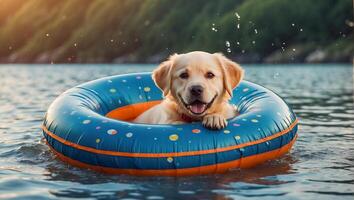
(293, 24)
(238, 16)
(238, 43)
(253, 42)
(294, 50)
(255, 31)
(227, 43)
(301, 29)
(238, 26)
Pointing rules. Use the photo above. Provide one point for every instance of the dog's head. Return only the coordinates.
(198, 81)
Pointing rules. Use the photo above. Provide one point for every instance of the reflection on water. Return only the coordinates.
(321, 164)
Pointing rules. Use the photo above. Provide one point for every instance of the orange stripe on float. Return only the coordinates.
(172, 154)
(130, 112)
(246, 162)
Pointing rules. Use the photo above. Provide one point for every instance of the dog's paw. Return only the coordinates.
(214, 121)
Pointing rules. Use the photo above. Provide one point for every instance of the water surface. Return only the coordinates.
(320, 165)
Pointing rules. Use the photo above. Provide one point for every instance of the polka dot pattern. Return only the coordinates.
(87, 121)
(173, 137)
(112, 131)
(169, 159)
(196, 131)
(112, 90)
(227, 131)
(147, 89)
(129, 135)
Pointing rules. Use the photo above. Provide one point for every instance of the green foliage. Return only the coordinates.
(102, 30)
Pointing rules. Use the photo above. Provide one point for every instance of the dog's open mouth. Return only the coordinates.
(198, 107)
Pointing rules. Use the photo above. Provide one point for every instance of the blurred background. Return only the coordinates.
(131, 31)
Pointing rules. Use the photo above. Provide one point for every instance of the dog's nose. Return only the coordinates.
(196, 90)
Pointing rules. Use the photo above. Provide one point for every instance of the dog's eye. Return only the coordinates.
(184, 75)
(209, 75)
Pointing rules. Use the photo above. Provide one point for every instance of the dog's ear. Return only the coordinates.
(232, 72)
(162, 75)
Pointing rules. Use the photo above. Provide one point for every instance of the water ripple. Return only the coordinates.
(320, 165)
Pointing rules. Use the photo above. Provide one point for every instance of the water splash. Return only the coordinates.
(213, 28)
(238, 16)
(238, 19)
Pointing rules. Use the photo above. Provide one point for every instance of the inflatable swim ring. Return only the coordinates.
(88, 126)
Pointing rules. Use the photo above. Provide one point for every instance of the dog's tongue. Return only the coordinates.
(198, 108)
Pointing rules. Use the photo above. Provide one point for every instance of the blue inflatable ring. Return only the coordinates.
(80, 129)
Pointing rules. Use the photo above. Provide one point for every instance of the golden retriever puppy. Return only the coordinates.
(197, 87)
